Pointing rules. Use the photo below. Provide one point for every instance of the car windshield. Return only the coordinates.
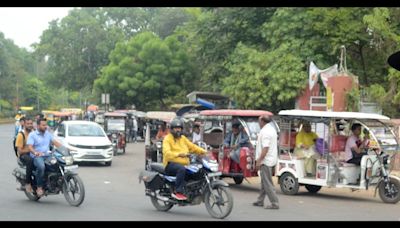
(85, 130)
(115, 125)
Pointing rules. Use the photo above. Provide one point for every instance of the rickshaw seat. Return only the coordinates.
(159, 167)
(345, 164)
(337, 143)
(284, 140)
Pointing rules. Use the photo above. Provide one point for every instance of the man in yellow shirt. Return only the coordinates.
(176, 148)
(305, 141)
(23, 151)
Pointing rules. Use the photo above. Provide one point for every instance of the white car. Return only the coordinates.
(88, 140)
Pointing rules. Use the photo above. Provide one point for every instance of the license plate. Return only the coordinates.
(71, 168)
(214, 174)
(93, 152)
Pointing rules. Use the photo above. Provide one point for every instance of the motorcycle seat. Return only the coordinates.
(158, 167)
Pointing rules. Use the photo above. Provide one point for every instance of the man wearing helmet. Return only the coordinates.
(176, 147)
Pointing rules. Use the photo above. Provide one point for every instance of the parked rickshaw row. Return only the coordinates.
(325, 166)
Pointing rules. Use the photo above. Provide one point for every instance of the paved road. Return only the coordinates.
(113, 193)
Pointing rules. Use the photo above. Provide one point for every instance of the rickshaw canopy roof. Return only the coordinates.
(329, 114)
(159, 115)
(235, 112)
(60, 114)
(115, 114)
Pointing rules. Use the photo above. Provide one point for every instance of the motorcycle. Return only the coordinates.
(60, 176)
(202, 185)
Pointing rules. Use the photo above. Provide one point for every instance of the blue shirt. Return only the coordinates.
(40, 141)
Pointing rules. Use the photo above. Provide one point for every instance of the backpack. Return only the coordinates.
(15, 139)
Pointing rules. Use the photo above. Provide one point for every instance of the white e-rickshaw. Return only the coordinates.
(332, 169)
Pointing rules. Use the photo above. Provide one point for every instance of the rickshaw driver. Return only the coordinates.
(176, 147)
(354, 146)
(235, 140)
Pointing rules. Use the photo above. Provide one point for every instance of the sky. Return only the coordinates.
(24, 25)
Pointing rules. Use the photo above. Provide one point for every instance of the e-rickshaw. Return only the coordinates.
(115, 127)
(215, 126)
(332, 169)
(153, 146)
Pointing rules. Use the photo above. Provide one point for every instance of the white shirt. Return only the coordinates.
(135, 126)
(196, 137)
(268, 137)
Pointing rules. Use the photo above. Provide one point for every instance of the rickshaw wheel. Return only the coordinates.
(391, 195)
(312, 188)
(238, 180)
(289, 184)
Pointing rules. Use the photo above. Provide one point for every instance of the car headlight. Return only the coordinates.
(68, 160)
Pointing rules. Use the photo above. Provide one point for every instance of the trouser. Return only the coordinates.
(267, 186)
(178, 170)
(310, 165)
(356, 158)
(134, 135)
(235, 155)
(28, 162)
(310, 159)
(40, 168)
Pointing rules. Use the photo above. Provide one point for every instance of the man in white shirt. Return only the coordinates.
(196, 137)
(267, 157)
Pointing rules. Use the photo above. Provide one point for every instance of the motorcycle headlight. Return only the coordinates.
(68, 160)
(114, 135)
(53, 160)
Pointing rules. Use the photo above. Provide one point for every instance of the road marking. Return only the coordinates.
(107, 182)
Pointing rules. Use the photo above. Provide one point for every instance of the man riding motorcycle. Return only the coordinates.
(176, 147)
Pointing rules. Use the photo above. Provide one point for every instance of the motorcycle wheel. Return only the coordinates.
(219, 202)
(389, 193)
(31, 196)
(72, 188)
(161, 205)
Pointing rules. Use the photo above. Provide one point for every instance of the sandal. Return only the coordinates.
(39, 192)
(28, 188)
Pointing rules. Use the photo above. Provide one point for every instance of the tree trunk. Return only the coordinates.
(363, 65)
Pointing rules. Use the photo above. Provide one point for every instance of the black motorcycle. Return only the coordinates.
(202, 185)
(60, 176)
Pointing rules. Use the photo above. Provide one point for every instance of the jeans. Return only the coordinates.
(40, 168)
(178, 170)
(28, 162)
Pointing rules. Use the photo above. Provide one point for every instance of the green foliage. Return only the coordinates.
(353, 100)
(76, 48)
(147, 71)
(262, 80)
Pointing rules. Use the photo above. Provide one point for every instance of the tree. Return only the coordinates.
(147, 71)
(213, 35)
(76, 48)
(263, 80)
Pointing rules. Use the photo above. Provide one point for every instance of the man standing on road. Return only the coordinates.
(267, 157)
(39, 142)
